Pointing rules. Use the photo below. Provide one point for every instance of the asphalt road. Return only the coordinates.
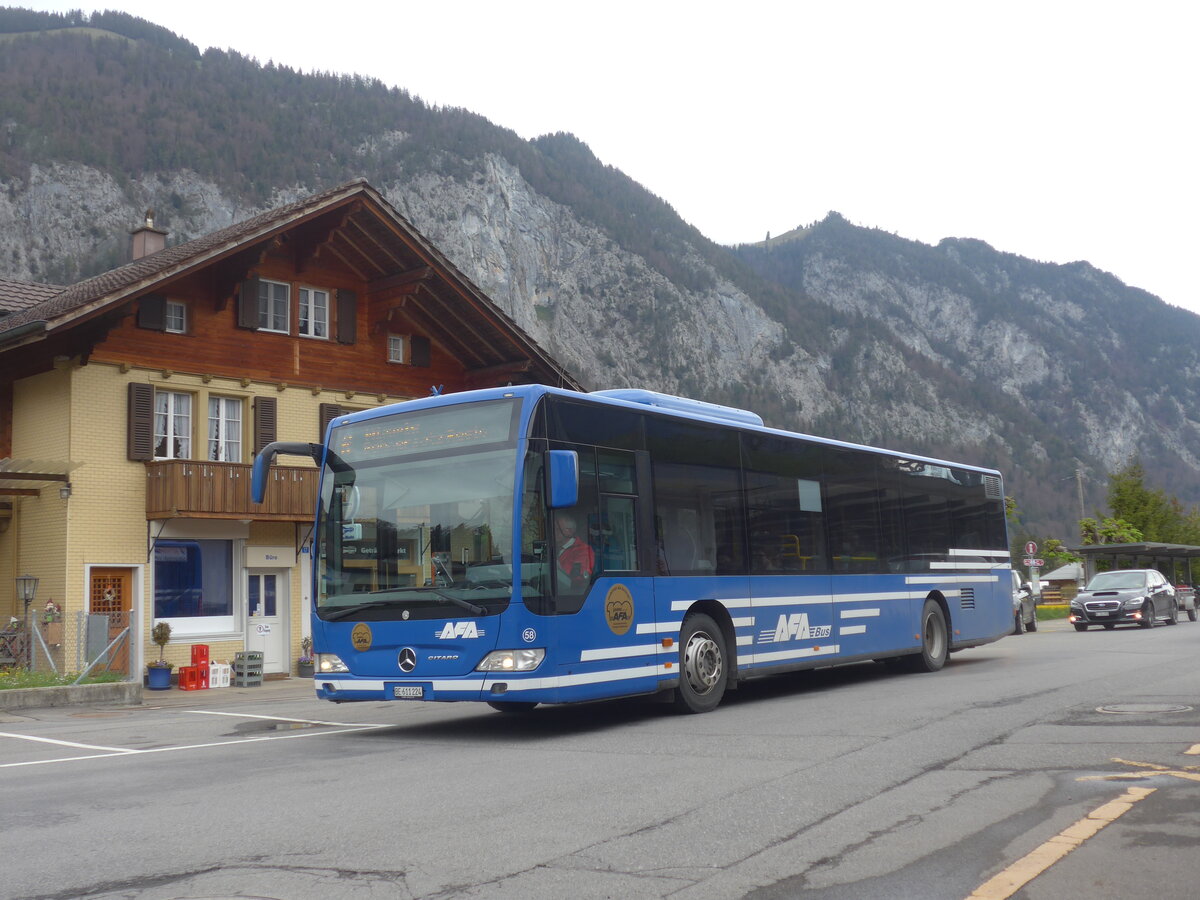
(1048, 765)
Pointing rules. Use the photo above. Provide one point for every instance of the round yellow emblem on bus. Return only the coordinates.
(618, 609)
(360, 637)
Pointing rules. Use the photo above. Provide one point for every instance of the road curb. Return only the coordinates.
(122, 693)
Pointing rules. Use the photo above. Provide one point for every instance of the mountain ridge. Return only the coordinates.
(954, 350)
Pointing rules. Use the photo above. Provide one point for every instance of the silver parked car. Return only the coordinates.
(1125, 596)
(1185, 596)
(1024, 604)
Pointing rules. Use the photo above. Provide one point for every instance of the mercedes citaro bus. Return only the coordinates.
(529, 545)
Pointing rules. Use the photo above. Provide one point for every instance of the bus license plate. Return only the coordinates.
(408, 692)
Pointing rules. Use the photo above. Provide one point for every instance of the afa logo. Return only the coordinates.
(460, 630)
(361, 638)
(618, 609)
(794, 627)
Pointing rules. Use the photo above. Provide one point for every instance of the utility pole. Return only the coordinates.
(1079, 485)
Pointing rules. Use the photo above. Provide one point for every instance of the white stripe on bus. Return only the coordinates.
(561, 681)
(950, 579)
(755, 658)
(621, 652)
(853, 629)
(858, 613)
(659, 627)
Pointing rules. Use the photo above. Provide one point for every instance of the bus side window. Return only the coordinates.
(616, 537)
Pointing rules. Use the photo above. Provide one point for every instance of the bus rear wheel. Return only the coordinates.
(703, 665)
(935, 640)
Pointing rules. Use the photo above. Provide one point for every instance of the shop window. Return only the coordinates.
(193, 585)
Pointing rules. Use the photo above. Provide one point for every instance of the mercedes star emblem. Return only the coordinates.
(408, 659)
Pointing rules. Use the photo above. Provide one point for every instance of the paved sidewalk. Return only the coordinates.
(271, 689)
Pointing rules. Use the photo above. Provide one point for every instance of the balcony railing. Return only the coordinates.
(216, 490)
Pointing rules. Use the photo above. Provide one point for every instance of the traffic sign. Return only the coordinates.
(1031, 548)
(1034, 563)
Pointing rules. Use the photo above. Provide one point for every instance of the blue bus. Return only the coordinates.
(529, 545)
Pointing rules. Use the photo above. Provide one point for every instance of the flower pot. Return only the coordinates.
(304, 669)
(158, 678)
(53, 633)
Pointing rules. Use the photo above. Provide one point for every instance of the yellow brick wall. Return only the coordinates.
(37, 533)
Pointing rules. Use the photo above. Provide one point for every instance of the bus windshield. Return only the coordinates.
(416, 514)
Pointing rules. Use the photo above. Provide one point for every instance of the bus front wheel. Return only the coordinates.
(935, 640)
(703, 665)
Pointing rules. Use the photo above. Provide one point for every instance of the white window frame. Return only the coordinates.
(274, 306)
(397, 349)
(224, 429)
(175, 312)
(173, 424)
(313, 307)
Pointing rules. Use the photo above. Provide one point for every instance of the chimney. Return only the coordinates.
(146, 238)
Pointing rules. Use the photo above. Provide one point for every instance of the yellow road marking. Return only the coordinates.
(1189, 773)
(1194, 750)
(1038, 860)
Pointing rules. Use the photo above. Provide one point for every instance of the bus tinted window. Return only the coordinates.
(852, 512)
(926, 516)
(784, 506)
(698, 514)
(601, 426)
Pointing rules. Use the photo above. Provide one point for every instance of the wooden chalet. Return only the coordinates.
(132, 403)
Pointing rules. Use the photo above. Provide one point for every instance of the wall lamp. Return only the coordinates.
(64, 491)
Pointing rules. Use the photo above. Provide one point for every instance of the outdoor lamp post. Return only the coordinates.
(27, 590)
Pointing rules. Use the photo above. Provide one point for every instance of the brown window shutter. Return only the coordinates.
(248, 304)
(347, 313)
(328, 412)
(266, 414)
(140, 417)
(152, 312)
(420, 351)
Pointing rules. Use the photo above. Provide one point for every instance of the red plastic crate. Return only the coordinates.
(200, 655)
(189, 678)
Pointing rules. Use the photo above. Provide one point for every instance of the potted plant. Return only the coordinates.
(52, 626)
(304, 665)
(158, 672)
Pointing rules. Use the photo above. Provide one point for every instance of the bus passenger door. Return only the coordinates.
(606, 627)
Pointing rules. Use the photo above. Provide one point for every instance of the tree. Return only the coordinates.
(1157, 516)
(1109, 530)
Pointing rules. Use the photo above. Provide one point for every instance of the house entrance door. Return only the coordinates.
(266, 617)
(111, 594)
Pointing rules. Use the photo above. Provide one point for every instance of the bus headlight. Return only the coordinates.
(328, 663)
(524, 660)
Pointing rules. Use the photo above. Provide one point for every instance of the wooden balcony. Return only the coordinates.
(214, 490)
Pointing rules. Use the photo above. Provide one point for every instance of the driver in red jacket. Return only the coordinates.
(575, 558)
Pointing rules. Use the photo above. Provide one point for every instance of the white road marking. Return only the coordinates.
(110, 752)
(43, 740)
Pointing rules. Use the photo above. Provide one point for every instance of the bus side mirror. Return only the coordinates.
(266, 458)
(563, 467)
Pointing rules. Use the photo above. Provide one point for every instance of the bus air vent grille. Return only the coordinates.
(991, 488)
(966, 598)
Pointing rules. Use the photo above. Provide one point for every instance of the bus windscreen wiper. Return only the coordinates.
(375, 604)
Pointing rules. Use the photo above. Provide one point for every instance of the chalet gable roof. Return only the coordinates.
(354, 224)
(16, 296)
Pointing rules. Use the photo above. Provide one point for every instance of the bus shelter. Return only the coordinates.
(1173, 560)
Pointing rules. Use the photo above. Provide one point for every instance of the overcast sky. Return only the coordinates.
(1055, 130)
